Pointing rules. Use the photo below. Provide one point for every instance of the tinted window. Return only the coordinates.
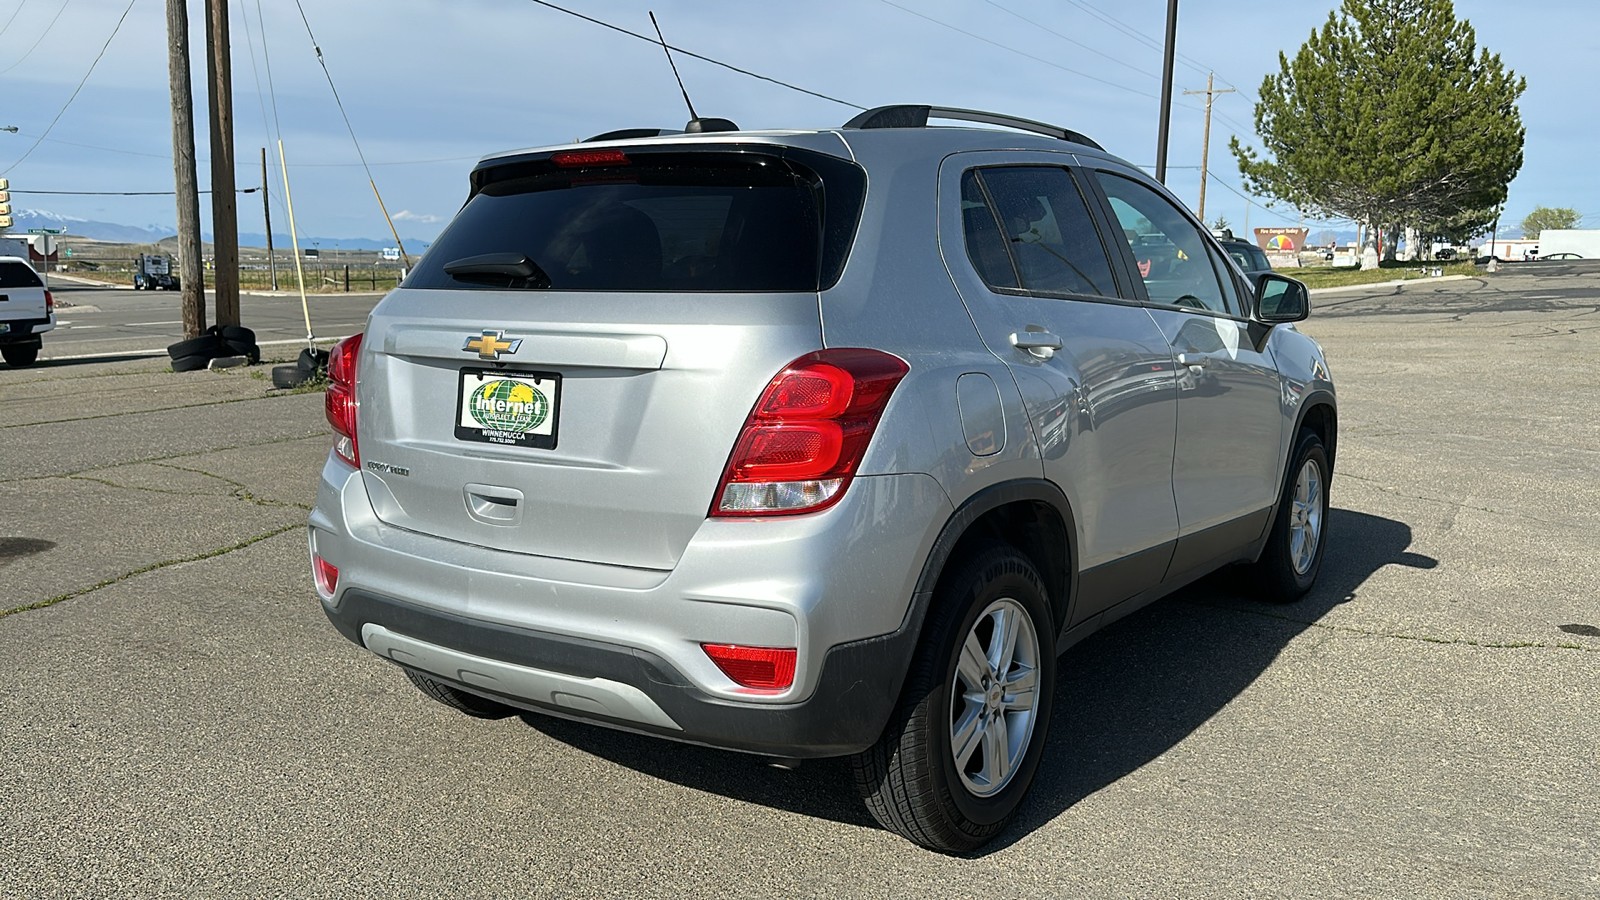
(1168, 248)
(1046, 225)
(986, 246)
(684, 222)
(18, 275)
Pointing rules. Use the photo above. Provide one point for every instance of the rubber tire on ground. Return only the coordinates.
(247, 349)
(192, 363)
(908, 779)
(206, 344)
(20, 355)
(312, 361)
(234, 333)
(458, 700)
(1273, 577)
(289, 376)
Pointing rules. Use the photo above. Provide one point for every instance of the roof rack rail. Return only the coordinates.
(624, 134)
(916, 116)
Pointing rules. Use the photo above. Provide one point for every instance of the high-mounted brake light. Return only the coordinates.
(340, 400)
(807, 434)
(572, 159)
(757, 668)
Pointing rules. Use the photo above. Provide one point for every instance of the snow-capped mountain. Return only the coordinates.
(24, 219)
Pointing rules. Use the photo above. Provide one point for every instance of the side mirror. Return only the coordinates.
(1281, 299)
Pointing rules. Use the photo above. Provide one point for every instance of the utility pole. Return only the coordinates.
(224, 202)
(1166, 91)
(190, 276)
(266, 213)
(1205, 142)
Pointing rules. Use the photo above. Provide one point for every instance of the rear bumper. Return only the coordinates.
(24, 331)
(621, 646)
(631, 689)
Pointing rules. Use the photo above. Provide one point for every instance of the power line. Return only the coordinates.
(1037, 59)
(14, 14)
(1073, 41)
(703, 58)
(40, 39)
(1140, 36)
(248, 190)
(75, 90)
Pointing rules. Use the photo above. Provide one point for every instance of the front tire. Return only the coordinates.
(961, 749)
(1289, 563)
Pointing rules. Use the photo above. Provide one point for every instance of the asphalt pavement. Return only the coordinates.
(178, 719)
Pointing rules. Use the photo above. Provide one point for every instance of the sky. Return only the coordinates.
(430, 86)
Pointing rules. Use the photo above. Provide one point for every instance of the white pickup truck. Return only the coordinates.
(26, 311)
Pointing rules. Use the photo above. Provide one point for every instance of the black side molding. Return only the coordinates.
(915, 116)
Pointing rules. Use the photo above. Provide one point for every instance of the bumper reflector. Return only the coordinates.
(758, 668)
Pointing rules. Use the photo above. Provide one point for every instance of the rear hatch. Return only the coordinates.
(566, 371)
(21, 293)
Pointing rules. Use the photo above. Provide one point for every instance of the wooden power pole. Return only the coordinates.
(224, 202)
(1205, 142)
(190, 276)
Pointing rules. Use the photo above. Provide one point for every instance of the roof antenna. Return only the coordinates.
(696, 124)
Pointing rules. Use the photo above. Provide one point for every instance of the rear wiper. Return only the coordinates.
(512, 270)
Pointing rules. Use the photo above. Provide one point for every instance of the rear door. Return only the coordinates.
(1093, 369)
(566, 371)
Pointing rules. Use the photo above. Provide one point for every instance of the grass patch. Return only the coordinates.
(1389, 271)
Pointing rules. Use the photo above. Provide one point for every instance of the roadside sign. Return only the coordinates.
(44, 231)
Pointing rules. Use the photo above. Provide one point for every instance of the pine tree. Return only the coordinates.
(1390, 116)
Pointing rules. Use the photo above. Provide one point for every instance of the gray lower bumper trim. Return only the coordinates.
(594, 696)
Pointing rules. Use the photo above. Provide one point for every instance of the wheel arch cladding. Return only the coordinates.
(1031, 515)
(1321, 417)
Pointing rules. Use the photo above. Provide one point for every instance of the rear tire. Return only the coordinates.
(1289, 563)
(970, 687)
(458, 700)
(20, 355)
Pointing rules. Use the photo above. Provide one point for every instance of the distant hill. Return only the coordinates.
(24, 219)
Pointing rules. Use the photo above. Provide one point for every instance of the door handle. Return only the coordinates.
(1042, 344)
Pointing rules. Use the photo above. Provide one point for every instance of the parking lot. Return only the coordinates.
(177, 718)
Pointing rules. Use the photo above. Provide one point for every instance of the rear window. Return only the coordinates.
(18, 275)
(664, 222)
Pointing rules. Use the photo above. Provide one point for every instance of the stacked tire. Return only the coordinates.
(311, 365)
(217, 341)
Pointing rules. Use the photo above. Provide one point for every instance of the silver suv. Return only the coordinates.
(814, 443)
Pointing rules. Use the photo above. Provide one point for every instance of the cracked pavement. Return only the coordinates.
(178, 719)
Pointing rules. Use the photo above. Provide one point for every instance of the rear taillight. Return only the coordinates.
(757, 668)
(803, 441)
(49, 303)
(340, 400)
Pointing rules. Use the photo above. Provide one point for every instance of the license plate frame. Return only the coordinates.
(509, 425)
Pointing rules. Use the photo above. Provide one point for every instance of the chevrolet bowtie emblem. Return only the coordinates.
(491, 344)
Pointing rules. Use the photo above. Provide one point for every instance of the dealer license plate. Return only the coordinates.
(518, 410)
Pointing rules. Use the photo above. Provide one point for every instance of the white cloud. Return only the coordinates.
(406, 215)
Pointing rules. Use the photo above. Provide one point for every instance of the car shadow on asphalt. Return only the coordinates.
(47, 363)
(1123, 697)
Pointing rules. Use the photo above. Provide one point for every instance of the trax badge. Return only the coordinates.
(491, 344)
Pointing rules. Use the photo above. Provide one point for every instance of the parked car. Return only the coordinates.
(1562, 256)
(814, 443)
(1250, 258)
(27, 310)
